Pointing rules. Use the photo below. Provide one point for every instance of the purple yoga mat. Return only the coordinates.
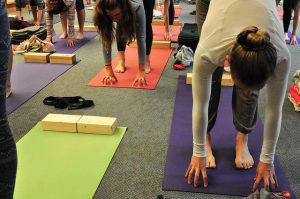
(225, 179)
(289, 35)
(30, 78)
(61, 44)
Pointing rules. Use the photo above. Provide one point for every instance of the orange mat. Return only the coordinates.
(159, 59)
(159, 33)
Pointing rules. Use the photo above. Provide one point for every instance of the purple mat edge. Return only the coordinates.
(165, 187)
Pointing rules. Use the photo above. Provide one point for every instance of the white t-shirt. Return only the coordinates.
(224, 21)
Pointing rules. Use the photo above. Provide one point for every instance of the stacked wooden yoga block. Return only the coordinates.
(79, 124)
(55, 58)
(226, 79)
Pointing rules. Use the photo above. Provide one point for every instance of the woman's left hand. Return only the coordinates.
(293, 40)
(140, 79)
(70, 41)
(265, 172)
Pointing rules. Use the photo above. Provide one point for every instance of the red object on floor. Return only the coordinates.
(159, 33)
(159, 59)
(295, 93)
(179, 67)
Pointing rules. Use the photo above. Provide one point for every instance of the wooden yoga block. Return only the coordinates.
(86, 28)
(189, 78)
(58, 58)
(226, 79)
(96, 125)
(36, 57)
(161, 22)
(155, 44)
(60, 122)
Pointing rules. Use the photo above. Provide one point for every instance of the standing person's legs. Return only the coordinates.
(64, 24)
(212, 114)
(148, 6)
(287, 14)
(201, 12)
(80, 17)
(8, 152)
(19, 9)
(37, 8)
(120, 68)
(171, 13)
(8, 81)
(244, 118)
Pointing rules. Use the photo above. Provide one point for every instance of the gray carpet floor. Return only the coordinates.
(137, 169)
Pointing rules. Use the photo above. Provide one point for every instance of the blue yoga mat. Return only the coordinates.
(225, 179)
(29, 78)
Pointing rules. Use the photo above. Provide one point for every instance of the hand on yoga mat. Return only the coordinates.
(265, 172)
(140, 79)
(196, 166)
(109, 77)
(293, 40)
(70, 41)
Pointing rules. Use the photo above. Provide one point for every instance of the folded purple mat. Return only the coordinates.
(225, 179)
(61, 44)
(30, 78)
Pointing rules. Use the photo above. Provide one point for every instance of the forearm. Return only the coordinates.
(275, 93)
(106, 55)
(296, 20)
(201, 86)
(141, 34)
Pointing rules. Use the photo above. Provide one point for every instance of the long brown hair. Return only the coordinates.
(105, 26)
(253, 57)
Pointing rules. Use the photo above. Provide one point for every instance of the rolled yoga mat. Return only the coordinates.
(61, 165)
(159, 59)
(225, 179)
(29, 78)
(61, 44)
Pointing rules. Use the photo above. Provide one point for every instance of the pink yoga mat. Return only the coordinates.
(159, 59)
(159, 33)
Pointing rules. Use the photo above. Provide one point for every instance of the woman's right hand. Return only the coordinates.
(109, 77)
(197, 166)
(293, 40)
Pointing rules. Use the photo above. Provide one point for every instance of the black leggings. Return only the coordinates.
(148, 6)
(287, 14)
(171, 12)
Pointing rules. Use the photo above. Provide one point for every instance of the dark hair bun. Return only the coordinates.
(253, 39)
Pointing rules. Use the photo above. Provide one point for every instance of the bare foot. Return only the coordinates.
(63, 36)
(147, 68)
(79, 36)
(243, 158)
(210, 159)
(120, 68)
(8, 91)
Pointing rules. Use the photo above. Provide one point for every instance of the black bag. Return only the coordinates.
(25, 33)
(58, 6)
(72, 103)
(189, 36)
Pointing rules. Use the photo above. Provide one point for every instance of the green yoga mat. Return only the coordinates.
(60, 165)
